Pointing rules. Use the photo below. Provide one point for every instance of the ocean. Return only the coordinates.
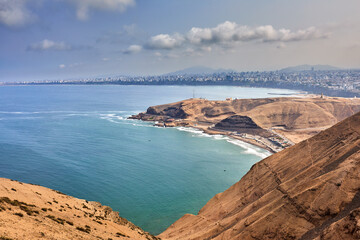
(78, 140)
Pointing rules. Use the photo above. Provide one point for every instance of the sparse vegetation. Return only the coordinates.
(87, 230)
(28, 210)
(55, 219)
(59, 192)
(118, 234)
(5, 238)
(19, 214)
(70, 223)
(2, 208)
(98, 222)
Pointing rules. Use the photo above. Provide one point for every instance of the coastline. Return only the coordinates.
(205, 129)
(272, 124)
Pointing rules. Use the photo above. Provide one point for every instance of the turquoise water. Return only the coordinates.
(76, 139)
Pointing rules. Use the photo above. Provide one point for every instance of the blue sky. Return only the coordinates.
(64, 39)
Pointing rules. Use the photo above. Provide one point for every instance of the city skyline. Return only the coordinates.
(71, 38)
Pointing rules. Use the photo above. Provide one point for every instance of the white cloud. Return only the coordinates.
(14, 13)
(165, 41)
(228, 34)
(84, 6)
(61, 66)
(47, 45)
(133, 49)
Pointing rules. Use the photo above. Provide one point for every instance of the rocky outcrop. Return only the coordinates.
(308, 191)
(172, 111)
(34, 212)
(237, 122)
(241, 124)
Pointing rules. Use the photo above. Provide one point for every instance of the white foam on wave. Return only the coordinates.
(190, 129)
(249, 149)
(65, 112)
(114, 118)
(4, 112)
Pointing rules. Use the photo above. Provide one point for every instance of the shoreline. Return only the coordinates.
(206, 130)
(232, 136)
(272, 124)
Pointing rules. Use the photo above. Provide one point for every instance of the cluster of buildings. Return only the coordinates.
(332, 82)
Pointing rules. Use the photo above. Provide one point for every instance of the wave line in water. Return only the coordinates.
(249, 149)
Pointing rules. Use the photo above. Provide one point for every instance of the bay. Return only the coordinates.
(78, 140)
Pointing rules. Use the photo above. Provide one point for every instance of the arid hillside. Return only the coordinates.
(297, 118)
(34, 212)
(308, 191)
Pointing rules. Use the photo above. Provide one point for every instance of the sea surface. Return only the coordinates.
(78, 140)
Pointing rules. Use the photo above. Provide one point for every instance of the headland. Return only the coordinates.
(270, 123)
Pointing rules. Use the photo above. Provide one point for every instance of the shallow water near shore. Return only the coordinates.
(78, 140)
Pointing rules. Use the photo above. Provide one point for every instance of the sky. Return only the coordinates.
(71, 39)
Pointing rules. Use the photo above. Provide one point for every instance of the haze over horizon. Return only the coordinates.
(72, 38)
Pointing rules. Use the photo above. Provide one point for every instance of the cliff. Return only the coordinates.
(297, 118)
(34, 212)
(308, 191)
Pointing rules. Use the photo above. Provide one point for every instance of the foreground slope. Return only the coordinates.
(34, 212)
(308, 191)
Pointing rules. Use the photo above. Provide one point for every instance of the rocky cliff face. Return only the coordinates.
(34, 212)
(237, 122)
(241, 124)
(295, 118)
(308, 191)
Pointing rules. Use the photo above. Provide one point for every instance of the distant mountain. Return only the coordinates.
(199, 70)
(307, 67)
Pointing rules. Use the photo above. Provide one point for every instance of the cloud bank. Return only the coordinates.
(14, 13)
(133, 49)
(228, 34)
(84, 6)
(48, 45)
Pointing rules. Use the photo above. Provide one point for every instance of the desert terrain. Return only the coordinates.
(270, 123)
(33, 212)
(308, 191)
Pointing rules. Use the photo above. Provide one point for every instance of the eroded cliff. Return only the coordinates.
(308, 191)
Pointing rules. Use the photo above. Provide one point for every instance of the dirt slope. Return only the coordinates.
(308, 191)
(35, 212)
(296, 118)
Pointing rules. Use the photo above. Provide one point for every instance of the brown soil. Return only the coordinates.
(308, 191)
(34, 212)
